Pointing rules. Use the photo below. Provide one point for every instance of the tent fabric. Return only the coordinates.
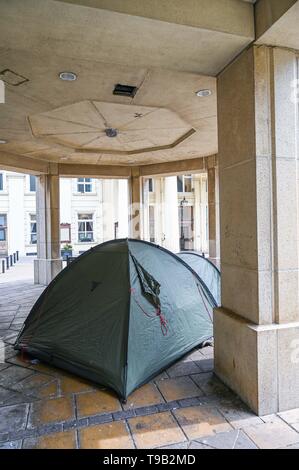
(207, 271)
(119, 314)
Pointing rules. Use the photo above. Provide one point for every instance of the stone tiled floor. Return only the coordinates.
(184, 407)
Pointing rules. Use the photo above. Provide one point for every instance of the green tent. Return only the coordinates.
(207, 271)
(119, 314)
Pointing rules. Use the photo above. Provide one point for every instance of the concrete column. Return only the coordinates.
(48, 263)
(135, 209)
(171, 217)
(257, 330)
(16, 215)
(213, 213)
(123, 200)
(108, 212)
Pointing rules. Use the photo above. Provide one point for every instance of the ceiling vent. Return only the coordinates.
(125, 90)
(12, 78)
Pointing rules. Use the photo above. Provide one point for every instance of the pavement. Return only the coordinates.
(22, 270)
(185, 407)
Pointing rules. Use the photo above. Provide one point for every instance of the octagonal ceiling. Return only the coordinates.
(111, 128)
(167, 53)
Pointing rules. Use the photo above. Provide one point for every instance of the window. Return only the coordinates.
(186, 226)
(1, 182)
(32, 183)
(84, 185)
(85, 228)
(184, 184)
(151, 185)
(152, 223)
(33, 231)
(3, 227)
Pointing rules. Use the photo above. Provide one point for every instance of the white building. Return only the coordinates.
(94, 210)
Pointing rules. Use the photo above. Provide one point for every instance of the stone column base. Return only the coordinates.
(45, 270)
(259, 362)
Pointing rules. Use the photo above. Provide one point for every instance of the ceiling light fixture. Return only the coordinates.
(111, 132)
(67, 76)
(2, 141)
(203, 93)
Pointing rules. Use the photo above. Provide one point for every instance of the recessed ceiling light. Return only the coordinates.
(204, 93)
(2, 141)
(67, 76)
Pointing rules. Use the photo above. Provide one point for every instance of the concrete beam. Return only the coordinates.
(11, 162)
(228, 16)
(94, 171)
(193, 165)
(268, 12)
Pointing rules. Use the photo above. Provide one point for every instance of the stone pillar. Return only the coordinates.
(108, 209)
(122, 208)
(171, 214)
(48, 263)
(213, 213)
(16, 215)
(135, 209)
(257, 330)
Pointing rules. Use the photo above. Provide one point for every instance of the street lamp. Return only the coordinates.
(183, 203)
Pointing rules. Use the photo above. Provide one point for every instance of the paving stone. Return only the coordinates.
(61, 440)
(11, 445)
(239, 416)
(74, 423)
(144, 396)
(13, 418)
(4, 437)
(179, 445)
(10, 337)
(183, 368)
(207, 351)
(171, 405)
(236, 439)
(210, 384)
(99, 419)
(206, 365)
(161, 376)
(295, 426)
(121, 415)
(291, 416)
(9, 352)
(186, 402)
(6, 319)
(178, 388)
(31, 385)
(47, 429)
(146, 410)
(200, 421)
(292, 446)
(195, 356)
(271, 418)
(100, 401)
(155, 430)
(49, 390)
(74, 385)
(113, 435)
(272, 435)
(52, 410)
(10, 397)
(198, 445)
